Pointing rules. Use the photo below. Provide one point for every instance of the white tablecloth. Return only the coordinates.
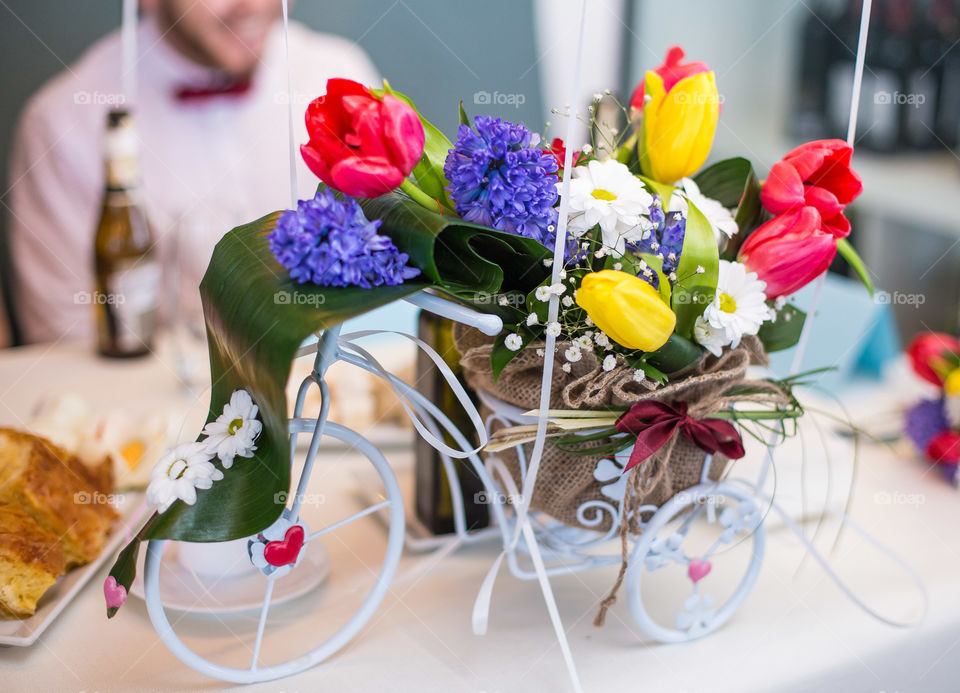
(796, 632)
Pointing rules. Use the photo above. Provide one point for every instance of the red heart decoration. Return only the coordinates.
(284, 552)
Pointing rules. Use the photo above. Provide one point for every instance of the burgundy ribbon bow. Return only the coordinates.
(654, 422)
(226, 87)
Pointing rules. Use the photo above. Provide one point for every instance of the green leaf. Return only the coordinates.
(693, 291)
(464, 118)
(725, 180)
(675, 355)
(784, 332)
(664, 190)
(429, 170)
(849, 253)
(500, 355)
(733, 183)
(663, 286)
(469, 261)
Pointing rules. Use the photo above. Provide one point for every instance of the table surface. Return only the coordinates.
(796, 631)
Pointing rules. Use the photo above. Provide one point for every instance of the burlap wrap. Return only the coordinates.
(565, 480)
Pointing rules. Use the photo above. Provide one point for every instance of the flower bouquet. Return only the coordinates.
(672, 280)
(933, 424)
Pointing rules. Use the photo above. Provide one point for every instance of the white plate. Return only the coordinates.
(23, 632)
(183, 590)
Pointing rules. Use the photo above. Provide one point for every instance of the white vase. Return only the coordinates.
(216, 559)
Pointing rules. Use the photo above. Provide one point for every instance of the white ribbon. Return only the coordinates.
(523, 526)
(848, 521)
(290, 136)
(346, 342)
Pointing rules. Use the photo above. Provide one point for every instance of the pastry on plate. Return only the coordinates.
(57, 490)
(31, 560)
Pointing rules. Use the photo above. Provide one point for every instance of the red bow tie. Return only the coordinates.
(193, 93)
(654, 422)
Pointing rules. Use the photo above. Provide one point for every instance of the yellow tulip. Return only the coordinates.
(627, 309)
(678, 126)
(951, 385)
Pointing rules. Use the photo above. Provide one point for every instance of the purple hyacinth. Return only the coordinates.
(924, 420)
(500, 178)
(666, 238)
(331, 243)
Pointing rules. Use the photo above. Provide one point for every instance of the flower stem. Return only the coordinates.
(420, 197)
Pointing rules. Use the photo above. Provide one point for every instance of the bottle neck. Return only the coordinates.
(122, 154)
(123, 174)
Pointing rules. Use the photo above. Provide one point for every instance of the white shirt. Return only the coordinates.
(207, 165)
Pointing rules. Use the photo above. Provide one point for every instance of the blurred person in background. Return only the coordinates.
(211, 109)
(5, 338)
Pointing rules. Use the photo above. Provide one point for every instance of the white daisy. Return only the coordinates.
(606, 193)
(609, 362)
(739, 306)
(234, 431)
(179, 473)
(513, 342)
(710, 338)
(719, 217)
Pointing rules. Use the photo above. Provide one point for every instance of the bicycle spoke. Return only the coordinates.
(337, 525)
(264, 610)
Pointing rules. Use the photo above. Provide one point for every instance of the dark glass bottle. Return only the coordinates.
(125, 261)
(817, 50)
(924, 77)
(434, 503)
(946, 17)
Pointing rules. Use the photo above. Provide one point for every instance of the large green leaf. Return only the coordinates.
(256, 319)
(694, 290)
(733, 183)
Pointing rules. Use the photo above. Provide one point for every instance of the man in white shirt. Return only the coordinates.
(211, 109)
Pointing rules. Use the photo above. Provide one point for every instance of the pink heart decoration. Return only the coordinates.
(114, 594)
(286, 551)
(698, 569)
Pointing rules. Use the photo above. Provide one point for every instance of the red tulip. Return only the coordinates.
(789, 251)
(361, 145)
(944, 448)
(672, 71)
(559, 151)
(926, 353)
(816, 174)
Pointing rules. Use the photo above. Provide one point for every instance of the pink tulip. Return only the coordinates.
(789, 251)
